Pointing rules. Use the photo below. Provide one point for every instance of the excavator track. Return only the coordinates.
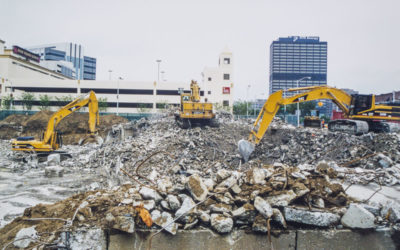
(348, 126)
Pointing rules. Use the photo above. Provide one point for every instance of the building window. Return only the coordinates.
(209, 92)
(227, 61)
(209, 79)
(225, 103)
(226, 76)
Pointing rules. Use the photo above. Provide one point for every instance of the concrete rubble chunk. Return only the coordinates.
(278, 217)
(150, 194)
(147, 204)
(358, 217)
(24, 237)
(204, 216)
(282, 200)
(53, 159)
(124, 223)
(244, 214)
(260, 224)
(394, 213)
(173, 202)
(197, 188)
(222, 174)
(257, 176)
(164, 219)
(54, 171)
(263, 207)
(221, 224)
(220, 208)
(319, 219)
(186, 209)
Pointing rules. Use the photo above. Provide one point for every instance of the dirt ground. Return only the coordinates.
(73, 127)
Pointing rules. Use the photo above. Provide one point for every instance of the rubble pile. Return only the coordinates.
(73, 127)
(195, 178)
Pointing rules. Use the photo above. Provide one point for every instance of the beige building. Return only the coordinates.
(19, 75)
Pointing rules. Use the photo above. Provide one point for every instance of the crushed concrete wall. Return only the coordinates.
(299, 239)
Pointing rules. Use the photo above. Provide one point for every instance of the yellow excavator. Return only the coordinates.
(193, 111)
(52, 139)
(361, 112)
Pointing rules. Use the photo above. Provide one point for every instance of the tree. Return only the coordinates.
(305, 108)
(103, 105)
(64, 100)
(44, 101)
(241, 108)
(6, 102)
(27, 100)
(143, 108)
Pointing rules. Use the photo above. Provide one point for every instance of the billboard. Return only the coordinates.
(26, 53)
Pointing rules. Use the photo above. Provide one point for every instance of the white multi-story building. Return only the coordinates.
(218, 82)
(19, 75)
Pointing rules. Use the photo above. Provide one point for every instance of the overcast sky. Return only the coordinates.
(128, 36)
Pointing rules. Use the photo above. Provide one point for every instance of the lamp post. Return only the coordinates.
(109, 77)
(247, 101)
(298, 109)
(119, 79)
(162, 75)
(158, 61)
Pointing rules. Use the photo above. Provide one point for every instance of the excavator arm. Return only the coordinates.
(49, 142)
(73, 106)
(275, 101)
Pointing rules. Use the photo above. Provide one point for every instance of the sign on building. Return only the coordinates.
(226, 90)
(25, 53)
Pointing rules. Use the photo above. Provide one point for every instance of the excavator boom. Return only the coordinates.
(347, 103)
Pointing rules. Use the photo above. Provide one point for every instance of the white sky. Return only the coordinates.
(128, 36)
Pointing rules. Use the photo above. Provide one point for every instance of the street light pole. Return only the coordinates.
(109, 71)
(298, 109)
(247, 101)
(158, 61)
(119, 78)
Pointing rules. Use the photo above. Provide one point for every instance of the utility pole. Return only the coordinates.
(119, 79)
(158, 61)
(298, 109)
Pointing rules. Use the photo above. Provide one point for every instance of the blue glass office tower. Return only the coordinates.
(84, 67)
(294, 57)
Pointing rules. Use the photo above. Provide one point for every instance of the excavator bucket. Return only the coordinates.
(245, 149)
(91, 138)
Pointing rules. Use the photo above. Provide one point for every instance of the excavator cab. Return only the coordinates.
(360, 103)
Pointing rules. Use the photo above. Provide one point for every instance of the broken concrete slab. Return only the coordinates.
(164, 219)
(357, 216)
(150, 194)
(197, 188)
(263, 207)
(314, 218)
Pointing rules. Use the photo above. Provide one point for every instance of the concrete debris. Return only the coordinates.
(150, 194)
(197, 188)
(358, 217)
(263, 207)
(53, 159)
(25, 236)
(86, 239)
(54, 171)
(221, 224)
(260, 224)
(164, 219)
(313, 218)
(293, 178)
(245, 214)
